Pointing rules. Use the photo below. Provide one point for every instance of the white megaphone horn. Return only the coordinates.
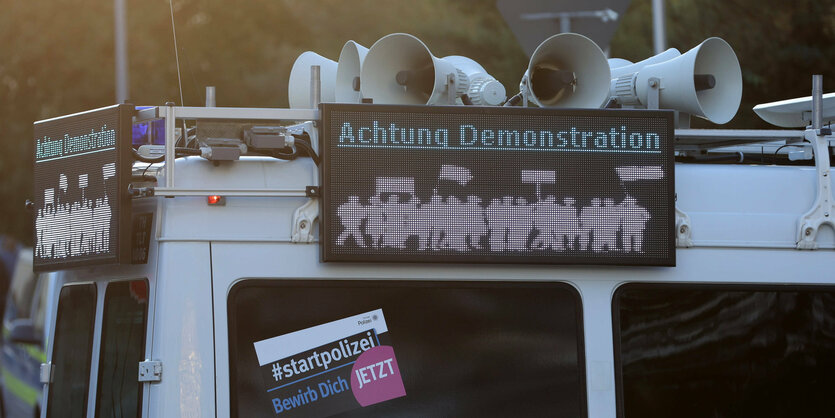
(618, 63)
(567, 70)
(619, 70)
(298, 89)
(400, 69)
(706, 81)
(347, 89)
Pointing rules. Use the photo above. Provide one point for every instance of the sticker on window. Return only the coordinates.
(330, 368)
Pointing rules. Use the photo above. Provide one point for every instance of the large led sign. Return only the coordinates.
(497, 185)
(82, 170)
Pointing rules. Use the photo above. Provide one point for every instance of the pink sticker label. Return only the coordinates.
(375, 376)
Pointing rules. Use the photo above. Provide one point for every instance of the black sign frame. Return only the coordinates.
(80, 124)
(327, 212)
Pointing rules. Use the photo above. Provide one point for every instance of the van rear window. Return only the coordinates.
(724, 351)
(119, 392)
(72, 353)
(387, 348)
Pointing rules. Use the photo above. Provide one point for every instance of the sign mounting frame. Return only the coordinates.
(656, 177)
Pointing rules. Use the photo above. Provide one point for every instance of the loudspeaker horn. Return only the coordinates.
(618, 63)
(347, 89)
(634, 68)
(567, 70)
(706, 81)
(400, 69)
(298, 89)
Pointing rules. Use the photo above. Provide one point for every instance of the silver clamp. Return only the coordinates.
(303, 217)
(47, 373)
(150, 371)
(684, 232)
(822, 211)
(653, 93)
(523, 88)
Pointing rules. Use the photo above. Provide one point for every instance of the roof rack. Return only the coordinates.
(171, 113)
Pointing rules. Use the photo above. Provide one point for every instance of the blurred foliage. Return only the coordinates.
(56, 56)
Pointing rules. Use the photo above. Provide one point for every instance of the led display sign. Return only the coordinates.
(497, 185)
(81, 207)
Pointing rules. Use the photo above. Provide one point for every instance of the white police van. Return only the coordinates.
(384, 260)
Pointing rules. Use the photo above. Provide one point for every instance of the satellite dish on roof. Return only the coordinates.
(795, 113)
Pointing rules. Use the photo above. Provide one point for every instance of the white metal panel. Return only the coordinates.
(743, 218)
(729, 205)
(183, 335)
(246, 173)
(247, 218)
(746, 206)
(597, 328)
(233, 261)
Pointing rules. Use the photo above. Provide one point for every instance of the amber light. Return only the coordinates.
(215, 200)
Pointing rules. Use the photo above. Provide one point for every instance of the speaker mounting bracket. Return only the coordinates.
(653, 93)
(451, 88)
(823, 210)
(303, 218)
(523, 89)
(684, 232)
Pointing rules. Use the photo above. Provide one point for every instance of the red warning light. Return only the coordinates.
(216, 200)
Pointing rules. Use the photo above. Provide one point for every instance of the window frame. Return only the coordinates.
(284, 282)
(92, 341)
(102, 320)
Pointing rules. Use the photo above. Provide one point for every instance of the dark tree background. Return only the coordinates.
(56, 56)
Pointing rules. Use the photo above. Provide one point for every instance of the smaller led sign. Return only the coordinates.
(513, 185)
(81, 174)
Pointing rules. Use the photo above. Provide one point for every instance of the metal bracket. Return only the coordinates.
(140, 192)
(523, 88)
(47, 373)
(451, 88)
(653, 93)
(303, 219)
(822, 211)
(684, 232)
(150, 371)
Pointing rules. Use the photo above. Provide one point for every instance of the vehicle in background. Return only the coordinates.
(24, 339)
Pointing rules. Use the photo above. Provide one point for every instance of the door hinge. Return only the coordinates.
(150, 371)
(47, 373)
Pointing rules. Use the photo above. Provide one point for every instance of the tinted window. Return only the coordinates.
(709, 351)
(71, 354)
(463, 349)
(122, 348)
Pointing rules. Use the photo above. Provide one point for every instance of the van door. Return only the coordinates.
(98, 378)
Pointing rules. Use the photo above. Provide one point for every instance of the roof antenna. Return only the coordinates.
(177, 58)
